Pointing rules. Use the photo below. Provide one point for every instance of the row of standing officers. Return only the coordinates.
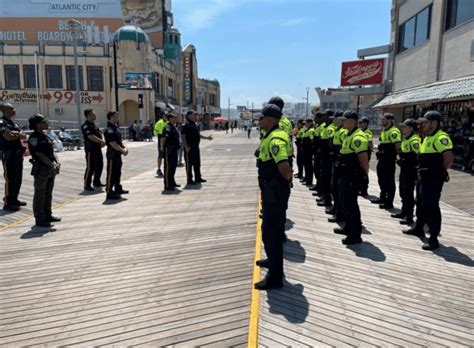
(334, 149)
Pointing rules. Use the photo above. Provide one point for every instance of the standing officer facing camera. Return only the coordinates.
(275, 175)
(45, 168)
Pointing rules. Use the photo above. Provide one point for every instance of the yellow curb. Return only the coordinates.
(255, 298)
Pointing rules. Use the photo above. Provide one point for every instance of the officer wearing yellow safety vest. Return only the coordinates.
(275, 175)
(284, 124)
(308, 149)
(364, 126)
(353, 164)
(158, 131)
(326, 134)
(300, 130)
(336, 143)
(436, 157)
(408, 162)
(389, 146)
(319, 125)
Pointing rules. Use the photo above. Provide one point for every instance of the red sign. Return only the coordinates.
(362, 72)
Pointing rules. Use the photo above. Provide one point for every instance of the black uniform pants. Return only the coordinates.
(43, 195)
(386, 179)
(308, 166)
(364, 183)
(348, 193)
(428, 194)
(94, 167)
(335, 185)
(275, 195)
(13, 173)
(114, 172)
(193, 162)
(326, 173)
(300, 160)
(171, 162)
(406, 188)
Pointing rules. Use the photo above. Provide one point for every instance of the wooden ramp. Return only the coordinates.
(384, 292)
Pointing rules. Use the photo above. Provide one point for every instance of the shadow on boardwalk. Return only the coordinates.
(289, 302)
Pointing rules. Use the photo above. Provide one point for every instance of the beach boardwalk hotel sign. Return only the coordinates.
(363, 72)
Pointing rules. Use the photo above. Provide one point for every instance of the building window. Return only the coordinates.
(29, 76)
(458, 12)
(414, 31)
(71, 78)
(54, 76)
(95, 78)
(212, 99)
(170, 88)
(156, 83)
(12, 76)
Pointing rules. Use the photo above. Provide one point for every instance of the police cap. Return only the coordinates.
(190, 112)
(364, 120)
(329, 112)
(389, 116)
(5, 106)
(271, 110)
(34, 120)
(277, 101)
(350, 115)
(309, 120)
(431, 116)
(409, 122)
(338, 113)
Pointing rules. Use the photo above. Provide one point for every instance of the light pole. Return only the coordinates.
(307, 102)
(38, 108)
(75, 26)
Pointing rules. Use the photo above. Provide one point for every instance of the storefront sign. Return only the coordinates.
(52, 97)
(362, 72)
(187, 62)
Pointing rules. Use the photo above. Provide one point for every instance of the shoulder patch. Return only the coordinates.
(33, 141)
(416, 145)
(111, 131)
(444, 141)
(275, 149)
(357, 143)
(84, 126)
(394, 135)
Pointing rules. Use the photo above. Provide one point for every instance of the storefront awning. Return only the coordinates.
(435, 92)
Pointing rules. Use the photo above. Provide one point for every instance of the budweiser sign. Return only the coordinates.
(362, 72)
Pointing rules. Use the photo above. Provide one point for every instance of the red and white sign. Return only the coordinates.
(362, 72)
(52, 97)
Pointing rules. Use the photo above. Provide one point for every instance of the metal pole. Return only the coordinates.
(75, 25)
(228, 108)
(307, 102)
(116, 78)
(38, 109)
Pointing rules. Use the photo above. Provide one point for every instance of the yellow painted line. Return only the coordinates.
(255, 298)
(56, 206)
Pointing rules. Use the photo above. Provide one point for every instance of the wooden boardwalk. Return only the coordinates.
(157, 269)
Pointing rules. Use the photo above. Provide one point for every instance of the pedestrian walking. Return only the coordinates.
(170, 146)
(191, 137)
(354, 164)
(158, 131)
(275, 174)
(115, 150)
(44, 170)
(408, 162)
(93, 144)
(389, 146)
(11, 152)
(436, 157)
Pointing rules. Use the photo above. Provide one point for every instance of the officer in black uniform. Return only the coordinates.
(115, 150)
(93, 144)
(191, 139)
(299, 149)
(170, 146)
(318, 119)
(45, 168)
(308, 151)
(336, 143)
(275, 175)
(11, 152)
(364, 126)
(325, 160)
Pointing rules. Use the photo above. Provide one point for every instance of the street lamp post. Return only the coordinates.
(307, 102)
(75, 26)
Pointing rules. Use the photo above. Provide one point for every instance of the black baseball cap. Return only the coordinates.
(409, 122)
(431, 116)
(34, 120)
(388, 116)
(277, 101)
(190, 112)
(364, 120)
(271, 110)
(349, 115)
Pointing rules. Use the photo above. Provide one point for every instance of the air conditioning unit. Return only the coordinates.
(58, 111)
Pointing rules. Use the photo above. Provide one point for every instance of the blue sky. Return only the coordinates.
(261, 48)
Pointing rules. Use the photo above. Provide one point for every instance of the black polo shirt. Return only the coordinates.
(112, 133)
(90, 128)
(11, 145)
(191, 133)
(39, 142)
(172, 137)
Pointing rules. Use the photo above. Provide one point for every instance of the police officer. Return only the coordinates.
(284, 124)
(11, 152)
(170, 146)
(93, 144)
(115, 150)
(336, 143)
(364, 126)
(327, 132)
(408, 162)
(300, 130)
(436, 157)
(45, 168)
(158, 131)
(308, 150)
(275, 174)
(353, 163)
(191, 138)
(389, 146)
(320, 124)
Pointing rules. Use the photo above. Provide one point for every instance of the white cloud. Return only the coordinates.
(295, 21)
